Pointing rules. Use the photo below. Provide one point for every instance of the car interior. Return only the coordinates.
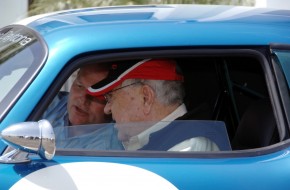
(231, 89)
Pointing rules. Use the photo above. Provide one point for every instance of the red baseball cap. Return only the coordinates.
(150, 69)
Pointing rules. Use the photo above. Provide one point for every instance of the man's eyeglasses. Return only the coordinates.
(108, 96)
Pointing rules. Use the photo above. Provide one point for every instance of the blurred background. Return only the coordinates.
(15, 10)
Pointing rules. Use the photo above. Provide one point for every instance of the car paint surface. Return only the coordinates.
(252, 173)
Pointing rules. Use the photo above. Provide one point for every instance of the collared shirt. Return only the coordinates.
(104, 138)
(193, 144)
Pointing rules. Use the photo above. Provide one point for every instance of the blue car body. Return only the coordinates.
(110, 31)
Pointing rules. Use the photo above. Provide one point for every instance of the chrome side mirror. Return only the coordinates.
(32, 137)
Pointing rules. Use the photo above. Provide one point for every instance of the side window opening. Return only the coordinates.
(232, 90)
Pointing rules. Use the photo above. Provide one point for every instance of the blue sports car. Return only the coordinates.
(235, 63)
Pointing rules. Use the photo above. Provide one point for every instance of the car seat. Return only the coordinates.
(257, 127)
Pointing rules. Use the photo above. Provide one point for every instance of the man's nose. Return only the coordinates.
(83, 97)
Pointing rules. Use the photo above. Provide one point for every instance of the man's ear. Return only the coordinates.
(148, 98)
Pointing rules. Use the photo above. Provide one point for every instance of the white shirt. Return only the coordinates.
(193, 144)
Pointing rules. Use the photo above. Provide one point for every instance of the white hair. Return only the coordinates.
(167, 92)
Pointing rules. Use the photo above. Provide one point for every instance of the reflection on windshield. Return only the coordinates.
(12, 71)
(13, 40)
(15, 58)
(107, 136)
(21, 55)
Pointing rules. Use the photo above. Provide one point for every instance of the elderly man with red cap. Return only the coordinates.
(149, 92)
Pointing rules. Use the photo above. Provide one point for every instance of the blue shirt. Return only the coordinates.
(104, 138)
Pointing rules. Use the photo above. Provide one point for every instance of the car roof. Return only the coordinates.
(166, 25)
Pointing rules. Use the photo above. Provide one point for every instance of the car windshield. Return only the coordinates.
(106, 136)
(21, 54)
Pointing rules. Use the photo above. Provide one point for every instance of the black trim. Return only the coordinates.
(280, 46)
(283, 90)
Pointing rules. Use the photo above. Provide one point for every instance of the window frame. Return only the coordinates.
(279, 64)
(261, 53)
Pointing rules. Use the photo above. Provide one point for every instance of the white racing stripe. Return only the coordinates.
(93, 175)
